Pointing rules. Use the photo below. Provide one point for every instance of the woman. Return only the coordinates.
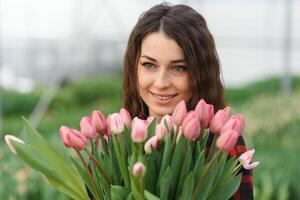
(171, 56)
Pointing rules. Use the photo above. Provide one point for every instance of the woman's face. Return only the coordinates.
(162, 74)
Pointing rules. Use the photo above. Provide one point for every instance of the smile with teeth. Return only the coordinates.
(163, 97)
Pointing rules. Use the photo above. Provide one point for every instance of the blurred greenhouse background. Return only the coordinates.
(59, 60)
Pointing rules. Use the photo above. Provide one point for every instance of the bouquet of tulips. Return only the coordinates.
(123, 158)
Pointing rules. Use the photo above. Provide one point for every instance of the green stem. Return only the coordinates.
(102, 170)
(142, 185)
(89, 175)
(176, 128)
(201, 181)
(237, 168)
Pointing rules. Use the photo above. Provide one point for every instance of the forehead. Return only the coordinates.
(161, 47)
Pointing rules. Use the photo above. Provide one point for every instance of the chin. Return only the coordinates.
(164, 111)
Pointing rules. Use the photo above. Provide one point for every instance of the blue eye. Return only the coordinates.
(179, 68)
(148, 65)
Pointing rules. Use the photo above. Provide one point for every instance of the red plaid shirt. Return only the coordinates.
(245, 191)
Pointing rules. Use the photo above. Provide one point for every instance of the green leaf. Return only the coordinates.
(115, 169)
(84, 175)
(150, 196)
(220, 164)
(151, 174)
(130, 197)
(206, 186)
(151, 129)
(185, 171)
(165, 183)
(188, 187)
(176, 164)
(230, 164)
(122, 161)
(128, 141)
(118, 192)
(35, 159)
(58, 160)
(167, 155)
(199, 166)
(226, 191)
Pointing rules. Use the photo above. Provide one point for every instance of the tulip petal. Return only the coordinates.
(251, 166)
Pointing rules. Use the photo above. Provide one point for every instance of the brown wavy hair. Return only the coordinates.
(189, 29)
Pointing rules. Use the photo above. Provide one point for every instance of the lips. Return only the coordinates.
(163, 97)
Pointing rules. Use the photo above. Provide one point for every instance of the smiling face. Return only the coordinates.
(162, 74)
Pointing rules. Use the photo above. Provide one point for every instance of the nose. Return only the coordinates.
(162, 80)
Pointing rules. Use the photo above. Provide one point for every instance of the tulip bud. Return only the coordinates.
(153, 141)
(191, 126)
(219, 120)
(227, 140)
(9, 138)
(77, 140)
(99, 122)
(167, 119)
(116, 123)
(87, 128)
(205, 113)
(73, 138)
(160, 131)
(63, 131)
(236, 123)
(126, 117)
(179, 113)
(139, 169)
(139, 130)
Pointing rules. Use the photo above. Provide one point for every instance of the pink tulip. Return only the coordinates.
(73, 138)
(139, 130)
(160, 131)
(77, 140)
(205, 113)
(9, 138)
(147, 122)
(63, 131)
(87, 128)
(139, 169)
(99, 122)
(191, 126)
(153, 141)
(167, 119)
(126, 117)
(219, 120)
(227, 140)
(179, 113)
(251, 165)
(246, 158)
(116, 123)
(236, 122)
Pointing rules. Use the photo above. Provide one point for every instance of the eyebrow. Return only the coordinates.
(153, 59)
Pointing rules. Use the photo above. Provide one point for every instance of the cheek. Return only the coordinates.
(144, 80)
(185, 88)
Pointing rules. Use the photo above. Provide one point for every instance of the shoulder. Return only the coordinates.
(239, 148)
